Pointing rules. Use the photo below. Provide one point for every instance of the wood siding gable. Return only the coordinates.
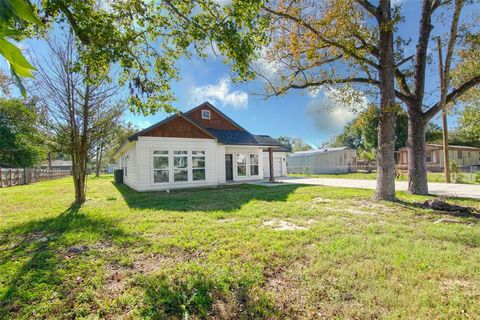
(178, 127)
(217, 120)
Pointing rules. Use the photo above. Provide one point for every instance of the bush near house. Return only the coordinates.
(243, 252)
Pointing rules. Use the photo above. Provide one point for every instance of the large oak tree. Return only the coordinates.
(356, 43)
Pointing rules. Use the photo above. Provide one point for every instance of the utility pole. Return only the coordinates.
(443, 92)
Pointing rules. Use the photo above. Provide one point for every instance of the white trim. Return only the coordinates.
(209, 114)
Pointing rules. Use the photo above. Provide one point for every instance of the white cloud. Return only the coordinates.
(265, 66)
(334, 110)
(144, 124)
(220, 93)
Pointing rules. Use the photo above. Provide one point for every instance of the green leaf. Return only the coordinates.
(18, 82)
(23, 10)
(22, 72)
(6, 32)
(14, 55)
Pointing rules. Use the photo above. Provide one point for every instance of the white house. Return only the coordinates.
(323, 161)
(201, 147)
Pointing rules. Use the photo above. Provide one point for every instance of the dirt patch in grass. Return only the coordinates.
(467, 287)
(282, 225)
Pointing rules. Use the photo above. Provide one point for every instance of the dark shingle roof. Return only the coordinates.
(233, 137)
(237, 137)
(265, 140)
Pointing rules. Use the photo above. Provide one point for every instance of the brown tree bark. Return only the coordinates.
(417, 165)
(98, 160)
(386, 128)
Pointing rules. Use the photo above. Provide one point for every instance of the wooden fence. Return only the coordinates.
(14, 177)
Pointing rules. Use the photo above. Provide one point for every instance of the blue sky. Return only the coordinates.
(296, 114)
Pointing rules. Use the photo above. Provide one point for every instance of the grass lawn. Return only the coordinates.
(235, 252)
(432, 176)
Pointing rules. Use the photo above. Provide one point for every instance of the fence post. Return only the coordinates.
(10, 172)
(1, 178)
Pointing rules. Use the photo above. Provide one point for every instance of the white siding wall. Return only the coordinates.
(131, 179)
(335, 161)
(220, 164)
(146, 146)
(245, 150)
(472, 160)
(281, 158)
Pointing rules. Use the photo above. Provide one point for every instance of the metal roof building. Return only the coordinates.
(323, 161)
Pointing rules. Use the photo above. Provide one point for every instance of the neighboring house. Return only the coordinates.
(201, 147)
(462, 155)
(57, 165)
(323, 161)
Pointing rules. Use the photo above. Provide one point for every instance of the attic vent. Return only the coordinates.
(206, 114)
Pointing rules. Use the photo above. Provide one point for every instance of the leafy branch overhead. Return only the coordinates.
(13, 16)
(147, 38)
(332, 43)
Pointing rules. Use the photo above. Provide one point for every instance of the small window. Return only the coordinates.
(429, 155)
(460, 155)
(241, 165)
(206, 114)
(198, 165)
(160, 166)
(254, 164)
(180, 166)
(469, 154)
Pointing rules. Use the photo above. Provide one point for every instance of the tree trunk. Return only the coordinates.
(385, 158)
(386, 128)
(417, 164)
(98, 161)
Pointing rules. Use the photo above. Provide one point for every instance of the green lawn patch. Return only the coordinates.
(233, 252)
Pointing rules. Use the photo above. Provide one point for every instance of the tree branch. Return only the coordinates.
(433, 110)
(321, 37)
(373, 10)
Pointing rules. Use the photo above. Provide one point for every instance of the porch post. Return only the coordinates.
(270, 159)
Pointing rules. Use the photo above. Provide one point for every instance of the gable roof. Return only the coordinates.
(208, 104)
(231, 137)
(166, 120)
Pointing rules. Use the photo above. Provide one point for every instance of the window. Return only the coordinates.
(180, 166)
(198, 165)
(460, 154)
(469, 154)
(160, 166)
(206, 114)
(241, 165)
(254, 164)
(429, 155)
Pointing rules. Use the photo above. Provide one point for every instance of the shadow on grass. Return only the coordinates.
(195, 294)
(38, 251)
(462, 212)
(223, 198)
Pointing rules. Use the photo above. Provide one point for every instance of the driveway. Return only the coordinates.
(439, 189)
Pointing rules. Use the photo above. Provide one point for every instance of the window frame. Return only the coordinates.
(429, 156)
(459, 154)
(206, 112)
(199, 154)
(254, 165)
(166, 154)
(184, 154)
(237, 164)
